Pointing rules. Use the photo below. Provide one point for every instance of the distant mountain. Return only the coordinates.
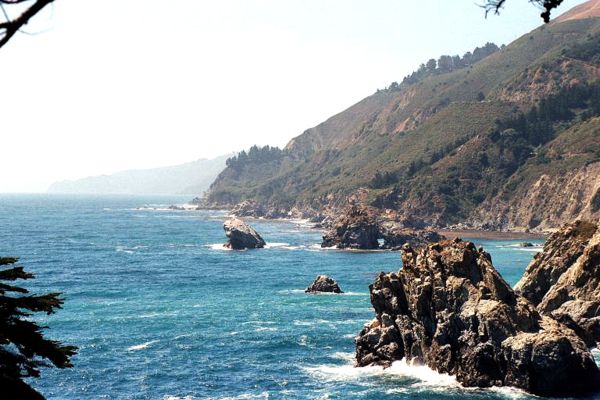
(501, 138)
(190, 178)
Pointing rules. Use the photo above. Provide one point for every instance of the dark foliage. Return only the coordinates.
(23, 348)
(546, 5)
(445, 64)
(256, 155)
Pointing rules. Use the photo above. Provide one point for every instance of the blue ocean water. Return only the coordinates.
(160, 311)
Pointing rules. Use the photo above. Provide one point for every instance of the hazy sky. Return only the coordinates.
(109, 85)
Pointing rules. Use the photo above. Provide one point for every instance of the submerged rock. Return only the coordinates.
(450, 309)
(563, 281)
(357, 228)
(241, 236)
(323, 284)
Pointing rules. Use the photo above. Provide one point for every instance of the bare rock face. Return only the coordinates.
(449, 308)
(560, 252)
(241, 236)
(324, 284)
(357, 228)
(563, 281)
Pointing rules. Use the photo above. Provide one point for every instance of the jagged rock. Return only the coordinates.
(563, 281)
(357, 228)
(560, 252)
(324, 284)
(450, 309)
(395, 236)
(248, 208)
(241, 236)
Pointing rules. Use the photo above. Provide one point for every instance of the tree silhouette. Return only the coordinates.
(23, 348)
(547, 5)
(26, 10)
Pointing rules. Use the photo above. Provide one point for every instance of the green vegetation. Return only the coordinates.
(23, 348)
(454, 137)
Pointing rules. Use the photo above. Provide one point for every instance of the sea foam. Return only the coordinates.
(142, 345)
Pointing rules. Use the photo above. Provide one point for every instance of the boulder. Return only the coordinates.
(357, 228)
(448, 308)
(323, 284)
(563, 281)
(241, 236)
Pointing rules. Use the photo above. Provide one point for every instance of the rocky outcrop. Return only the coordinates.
(248, 208)
(395, 236)
(324, 284)
(361, 227)
(357, 228)
(449, 308)
(241, 236)
(563, 281)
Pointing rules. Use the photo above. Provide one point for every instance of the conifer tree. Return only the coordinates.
(23, 348)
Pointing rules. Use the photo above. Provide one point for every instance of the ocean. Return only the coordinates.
(160, 311)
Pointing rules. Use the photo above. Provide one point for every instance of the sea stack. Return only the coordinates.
(241, 236)
(324, 284)
(448, 308)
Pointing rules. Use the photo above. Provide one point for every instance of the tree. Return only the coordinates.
(546, 5)
(23, 348)
(12, 25)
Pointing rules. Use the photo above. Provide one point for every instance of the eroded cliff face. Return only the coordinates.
(563, 281)
(449, 308)
(550, 202)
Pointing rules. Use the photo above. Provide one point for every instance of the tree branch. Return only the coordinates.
(12, 26)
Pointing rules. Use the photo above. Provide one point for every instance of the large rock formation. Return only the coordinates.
(361, 227)
(324, 284)
(241, 236)
(563, 281)
(395, 236)
(449, 308)
(357, 228)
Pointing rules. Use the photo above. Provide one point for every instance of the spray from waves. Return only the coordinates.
(596, 354)
(142, 346)
(401, 369)
(218, 246)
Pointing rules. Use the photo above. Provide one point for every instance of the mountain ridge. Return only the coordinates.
(454, 147)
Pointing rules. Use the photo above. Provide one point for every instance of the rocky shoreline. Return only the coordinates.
(448, 308)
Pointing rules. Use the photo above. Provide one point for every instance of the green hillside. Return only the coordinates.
(458, 143)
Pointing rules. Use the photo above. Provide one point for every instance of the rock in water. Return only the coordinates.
(241, 236)
(449, 308)
(394, 236)
(324, 284)
(563, 281)
(357, 228)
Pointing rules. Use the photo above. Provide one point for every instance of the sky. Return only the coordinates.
(95, 87)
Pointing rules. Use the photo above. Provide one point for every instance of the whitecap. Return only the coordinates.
(265, 329)
(272, 245)
(340, 355)
(169, 397)
(141, 346)
(303, 340)
(263, 395)
(291, 291)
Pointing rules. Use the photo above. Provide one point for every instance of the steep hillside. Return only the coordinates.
(189, 178)
(463, 142)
